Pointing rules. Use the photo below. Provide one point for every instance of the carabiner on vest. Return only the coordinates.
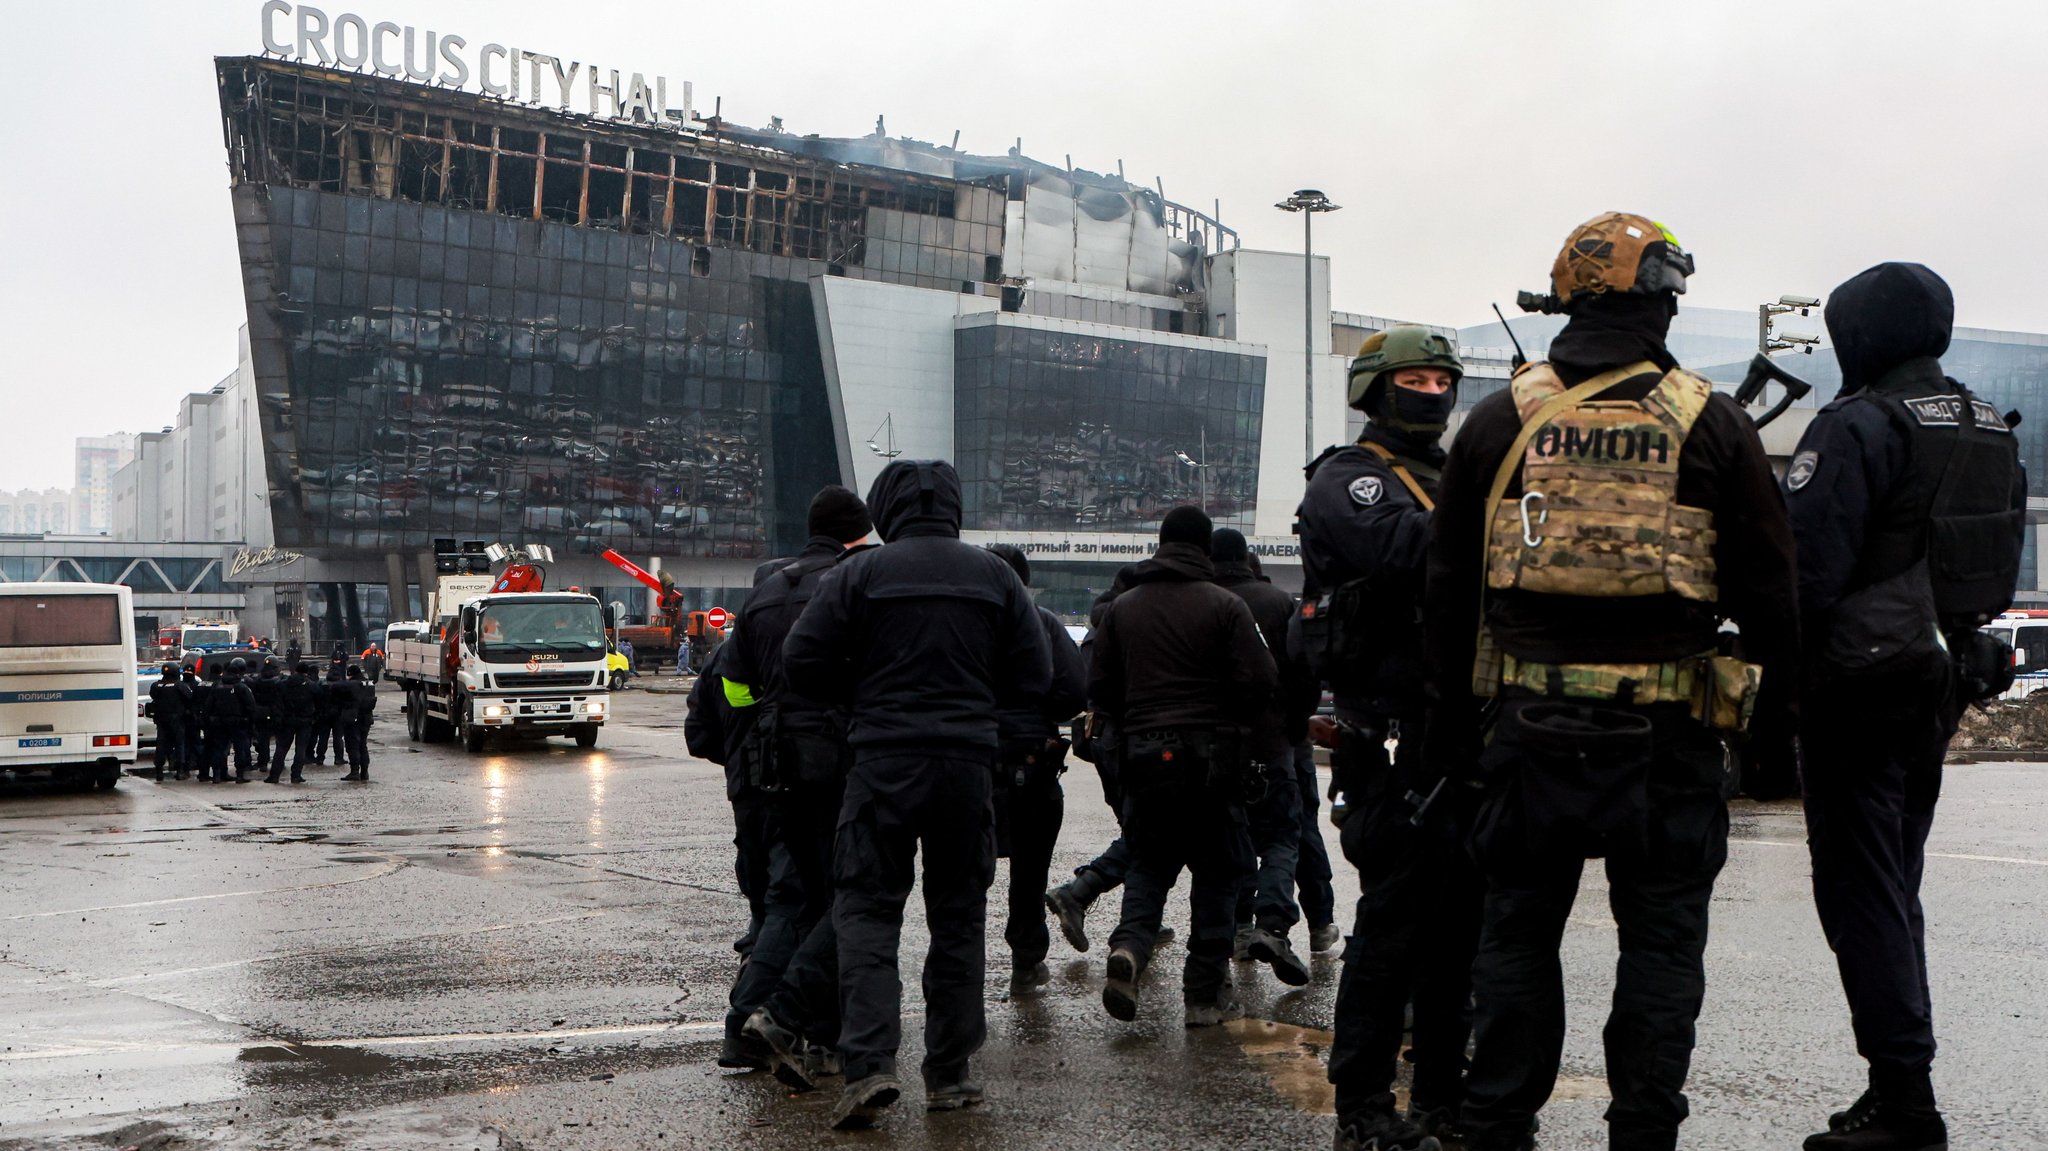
(1529, 536)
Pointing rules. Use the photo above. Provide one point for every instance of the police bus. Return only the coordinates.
(67, 681)
(2026, 631)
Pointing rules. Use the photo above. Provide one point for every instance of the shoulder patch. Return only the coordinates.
(1946, 412)
(1367, 490)
(1800, 473)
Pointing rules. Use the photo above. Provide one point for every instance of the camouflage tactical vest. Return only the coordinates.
(1599, 514)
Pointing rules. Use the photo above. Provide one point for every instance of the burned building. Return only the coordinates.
(478, 318)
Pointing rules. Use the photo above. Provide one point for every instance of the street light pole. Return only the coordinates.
(1308, 201)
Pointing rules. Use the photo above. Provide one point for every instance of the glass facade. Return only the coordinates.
(480, 320)
(1060, 428)
(449, 372)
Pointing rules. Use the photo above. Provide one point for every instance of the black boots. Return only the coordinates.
(1897, 1113)
(1378, 1127)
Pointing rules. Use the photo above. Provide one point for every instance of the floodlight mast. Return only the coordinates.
(1308, 201)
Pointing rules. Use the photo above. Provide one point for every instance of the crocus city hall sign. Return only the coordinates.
(305, 33)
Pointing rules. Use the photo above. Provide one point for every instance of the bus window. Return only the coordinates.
(61, 621)
(2030, 649)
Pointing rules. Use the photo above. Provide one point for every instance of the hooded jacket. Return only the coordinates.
(925, 637)
(1027, 722)
(1856, 460)
(1178, 651)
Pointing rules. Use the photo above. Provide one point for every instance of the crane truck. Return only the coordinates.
(502, 656)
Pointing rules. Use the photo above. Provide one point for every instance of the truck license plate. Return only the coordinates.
(39, 743)
(551, 708)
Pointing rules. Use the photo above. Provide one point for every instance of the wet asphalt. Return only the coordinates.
(531, 948)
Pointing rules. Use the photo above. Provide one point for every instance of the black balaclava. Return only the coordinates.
(1186, 524)
(1417, 417)
(1884, 316)
(1614, 330)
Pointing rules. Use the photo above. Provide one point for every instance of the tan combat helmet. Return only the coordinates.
(1613, 252)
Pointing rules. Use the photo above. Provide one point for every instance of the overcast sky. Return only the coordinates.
(1788, 146)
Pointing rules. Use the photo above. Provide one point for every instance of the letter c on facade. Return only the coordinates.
(270, 42)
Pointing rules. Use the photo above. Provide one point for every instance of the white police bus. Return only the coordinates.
(2027, 633)
(67, 681)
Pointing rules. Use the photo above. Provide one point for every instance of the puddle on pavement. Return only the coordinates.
(1291, 1059)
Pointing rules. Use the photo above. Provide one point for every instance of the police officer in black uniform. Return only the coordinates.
(716, 728)
(330, 726)
(267, 725)
(358, 712)
(298, 703)
(170, 704)
(1266, 910)
(786, 1001)
(1602, 516)
(1179, 667)
(198, 728)
(1029, 801)
(231, 708)
(1908, 501)
(1364, 527)
(925, 637)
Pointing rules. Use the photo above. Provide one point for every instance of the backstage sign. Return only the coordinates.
(252, 562)
(307, 34)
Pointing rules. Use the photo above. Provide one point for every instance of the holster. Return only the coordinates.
(780, 756)
(1984, 667)
(1032, 764)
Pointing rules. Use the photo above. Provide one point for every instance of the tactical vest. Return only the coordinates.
(1953, 505)
(1599, 514)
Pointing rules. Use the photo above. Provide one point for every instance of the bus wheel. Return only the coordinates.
(108, 777)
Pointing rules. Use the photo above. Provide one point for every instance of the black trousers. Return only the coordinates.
(1658, 893)
(1872, 775)
(1312, 872)
(1415, 934)
(302, 745)
(228, 736)
(1266, 896)
(796, 922)
(897, 804)
(753, 839)
(263, 733)
(1028, 826)
(1175, 828)
(170, 744)
(323, 729)
(1105, 873)
(197, 758)
(358, 732)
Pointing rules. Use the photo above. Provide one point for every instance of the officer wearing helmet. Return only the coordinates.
(1364, 526)
(232, 710)
(1596, 522)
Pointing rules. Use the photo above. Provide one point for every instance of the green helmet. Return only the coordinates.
(1401, 346)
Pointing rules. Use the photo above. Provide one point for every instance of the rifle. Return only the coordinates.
(1520, 360)
(1764, 370)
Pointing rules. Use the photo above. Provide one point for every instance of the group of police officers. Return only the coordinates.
(1526, 639)
(278, 719)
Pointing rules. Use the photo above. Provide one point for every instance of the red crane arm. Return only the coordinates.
(633, 569)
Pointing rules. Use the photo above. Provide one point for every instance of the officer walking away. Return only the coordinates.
(1364, 527)
(268, 690)
(170, 703)
(1029, 802)
(1908, 502)
(358, 713)
(332, 696)
(1266, 910)
(925, 637)
(785, 1005)
(299, 702)
(716, 728)
(1179, 668)
(1595, 523)
(232, 710)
